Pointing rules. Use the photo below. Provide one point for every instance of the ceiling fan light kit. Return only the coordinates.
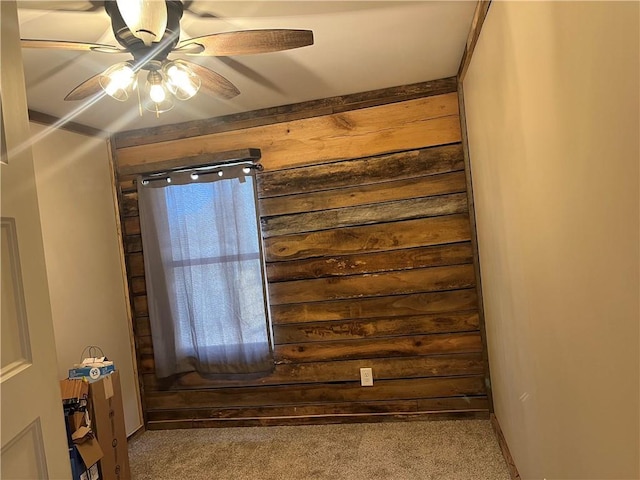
(119, 80)
(157, 97)
(180, 79)
(150, 30)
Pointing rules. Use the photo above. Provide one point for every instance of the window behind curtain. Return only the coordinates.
(205, 276)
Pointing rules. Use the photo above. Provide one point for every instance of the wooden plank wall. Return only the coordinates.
(366, 233)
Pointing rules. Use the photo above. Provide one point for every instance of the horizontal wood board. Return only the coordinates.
(366, 235)
(285, 113)
(401, 126)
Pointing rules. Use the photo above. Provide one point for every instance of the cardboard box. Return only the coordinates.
(89, 451)
(91, 473)
(107, 415)
(84, 449)
(91, 373)
(74, 391)
(76, 420)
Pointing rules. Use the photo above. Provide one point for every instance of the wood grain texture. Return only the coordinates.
(144, 345)
(67, 45)
(302, 410)
(194, 160)
(142, 327)
(330, 371)
(369, 238)
(129, 204)
(132, 244)
(396, 305)
(421, 416)
(127, 184)
(341, 265)
(138, 286)
(366, 233)
(378, 327)
(431, 404)
(318, 393)
(482, 8)
(361, 172)
(285, 113)
(88, 88)
(468, 342)
(370, 285)
(131, 225)
(214, 83)
(364, 194)
(140, 306)
(425, 122)
(365, 214)
(246, 42)
(320, 351)
(135, 264)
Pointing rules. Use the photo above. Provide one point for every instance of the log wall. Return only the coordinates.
(365, 226)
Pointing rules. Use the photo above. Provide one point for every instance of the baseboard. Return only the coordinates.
(513, 470)
(136, 433)
(314, 419)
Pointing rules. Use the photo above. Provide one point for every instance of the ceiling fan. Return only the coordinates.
(149, 30)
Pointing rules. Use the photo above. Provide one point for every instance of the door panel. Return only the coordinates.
(16, 347)
(23, 457)
(32, 422)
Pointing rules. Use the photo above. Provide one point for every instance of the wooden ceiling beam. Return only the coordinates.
(50, 120)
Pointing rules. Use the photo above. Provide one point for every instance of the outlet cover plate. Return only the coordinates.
(366, 377)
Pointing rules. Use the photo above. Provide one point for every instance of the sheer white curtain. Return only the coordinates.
(204, 276)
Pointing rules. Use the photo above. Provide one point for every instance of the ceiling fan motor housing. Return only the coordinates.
(147, 57)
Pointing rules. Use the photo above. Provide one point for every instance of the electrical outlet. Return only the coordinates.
(366, 377)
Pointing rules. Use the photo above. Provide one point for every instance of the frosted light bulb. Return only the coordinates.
(156, 93)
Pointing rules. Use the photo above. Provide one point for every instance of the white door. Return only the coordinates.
(33, 435)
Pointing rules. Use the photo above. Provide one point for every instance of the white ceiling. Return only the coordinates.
(359, 46)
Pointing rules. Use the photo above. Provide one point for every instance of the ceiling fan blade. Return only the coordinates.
(63, 6)
(85, 89)
(64, 45)
(213, 82)
(249, 41)
(187, 4)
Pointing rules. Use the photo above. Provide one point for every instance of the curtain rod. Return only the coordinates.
(239, 169)
(191, 161)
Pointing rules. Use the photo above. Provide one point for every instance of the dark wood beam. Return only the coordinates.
(232, 156)
(474, 33)
(50, 120)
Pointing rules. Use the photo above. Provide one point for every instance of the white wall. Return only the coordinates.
(552, 110)
(82, 255)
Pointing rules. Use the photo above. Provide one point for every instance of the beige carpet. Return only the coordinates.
(442, 450)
